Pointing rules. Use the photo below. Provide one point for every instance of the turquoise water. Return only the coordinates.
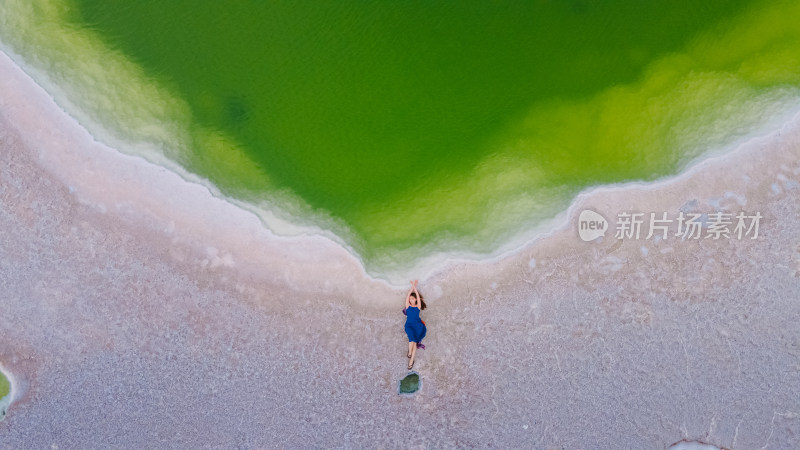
(414, 127)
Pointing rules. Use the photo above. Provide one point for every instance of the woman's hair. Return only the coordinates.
(421, 300)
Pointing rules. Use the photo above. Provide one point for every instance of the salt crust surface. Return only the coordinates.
(138, 310)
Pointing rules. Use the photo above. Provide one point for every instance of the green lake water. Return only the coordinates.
(5, 387)
(416, 127)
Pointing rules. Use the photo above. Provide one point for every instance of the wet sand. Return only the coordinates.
(139, 310)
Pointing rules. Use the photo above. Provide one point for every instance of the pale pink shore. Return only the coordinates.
(139, 310)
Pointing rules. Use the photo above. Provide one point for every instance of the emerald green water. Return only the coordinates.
(421, 126)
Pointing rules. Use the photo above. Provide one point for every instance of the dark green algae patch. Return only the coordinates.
(410, 384)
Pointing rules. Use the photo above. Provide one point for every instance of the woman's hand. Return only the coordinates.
(414, 286)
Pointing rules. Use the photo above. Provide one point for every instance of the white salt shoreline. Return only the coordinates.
(161, 200)
(171, 201)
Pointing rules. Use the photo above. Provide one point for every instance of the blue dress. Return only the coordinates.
(415, 328)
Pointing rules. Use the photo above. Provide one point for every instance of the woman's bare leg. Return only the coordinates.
(413, 354)
(409, 347)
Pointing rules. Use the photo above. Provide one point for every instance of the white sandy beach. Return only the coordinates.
(140, 310)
